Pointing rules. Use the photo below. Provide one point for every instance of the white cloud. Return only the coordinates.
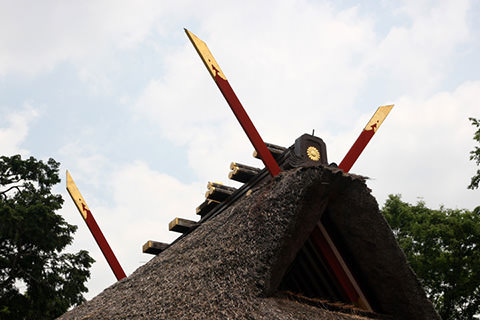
(423, 148)
(144, 202)
(85, 161)
(417, 57)
(304, 64)
(34, 36)
(283, 94)
(16, 130)
(279, 90)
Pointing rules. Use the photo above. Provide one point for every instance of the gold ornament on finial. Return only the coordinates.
(313, 153)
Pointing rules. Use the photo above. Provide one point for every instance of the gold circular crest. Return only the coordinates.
(313, 153)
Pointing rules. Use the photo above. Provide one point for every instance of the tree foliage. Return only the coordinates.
(475, 154)
(37, 280)
(443, 248)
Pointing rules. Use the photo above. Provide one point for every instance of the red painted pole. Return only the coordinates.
(94, 228)
(247, 126)
(320, 241)
(364, 137)
(234, 104)
(104, 246)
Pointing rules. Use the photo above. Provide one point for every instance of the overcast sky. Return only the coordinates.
(115, 92)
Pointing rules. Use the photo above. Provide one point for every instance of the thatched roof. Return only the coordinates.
(231, 266)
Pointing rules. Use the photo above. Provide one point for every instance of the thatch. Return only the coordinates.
(231, 265)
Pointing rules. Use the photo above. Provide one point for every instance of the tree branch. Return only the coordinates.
(12, 187)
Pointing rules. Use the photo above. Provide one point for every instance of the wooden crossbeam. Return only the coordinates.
(206, 207)
(154, 247)
(275, 150)
(242, 173)
(181, 225)
(218, 192)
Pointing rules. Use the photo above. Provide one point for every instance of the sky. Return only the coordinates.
(115, 91)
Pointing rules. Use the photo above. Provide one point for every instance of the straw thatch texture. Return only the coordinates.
(229, 267)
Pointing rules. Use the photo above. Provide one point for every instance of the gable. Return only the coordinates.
(368, 252)
(235, 263)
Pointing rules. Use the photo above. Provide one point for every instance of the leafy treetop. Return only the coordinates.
(443, 248)
(475, 154)
(37, 280)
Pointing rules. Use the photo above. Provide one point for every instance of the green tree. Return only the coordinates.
(475, 154)
(443, 248)
(37, 280)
